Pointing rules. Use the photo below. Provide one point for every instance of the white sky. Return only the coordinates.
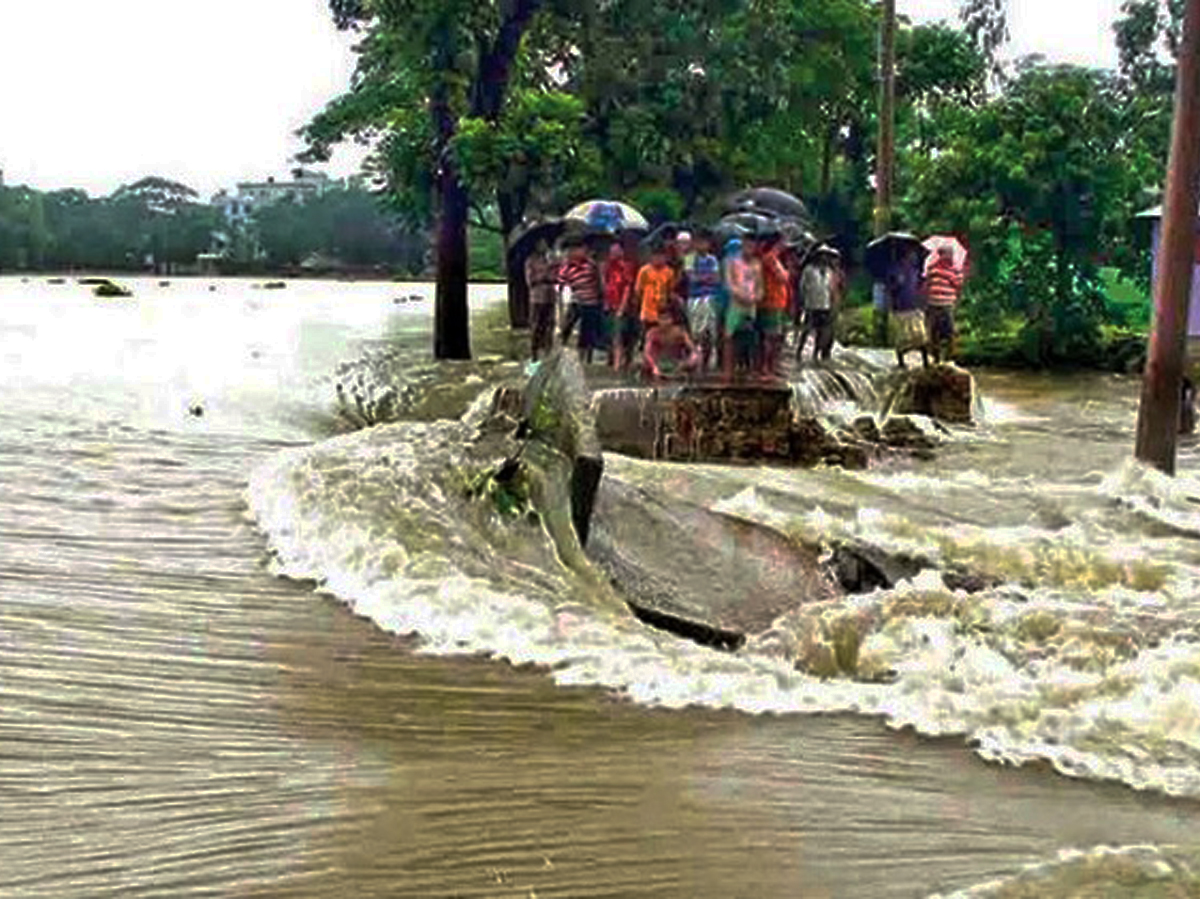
(97, 93)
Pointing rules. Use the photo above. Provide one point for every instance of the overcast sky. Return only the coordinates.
(98, 93)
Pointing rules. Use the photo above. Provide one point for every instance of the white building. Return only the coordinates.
(238, 208)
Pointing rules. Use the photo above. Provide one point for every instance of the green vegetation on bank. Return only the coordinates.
(161, 224)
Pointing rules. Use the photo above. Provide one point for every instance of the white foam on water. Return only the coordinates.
(1087, 662)
(997, 412)
(1099, 871)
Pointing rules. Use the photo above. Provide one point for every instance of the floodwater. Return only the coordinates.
(188, 706)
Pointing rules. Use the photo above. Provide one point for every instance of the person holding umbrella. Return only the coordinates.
(703, 281)
(820, 291)
(908, 319)
(943, 285)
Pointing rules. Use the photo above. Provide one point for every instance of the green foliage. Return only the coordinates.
(486, 254)
(1147, 35)
(535, 151)
(152, 218)
(938, 63)
(658, 204)
(159, 219)
(670, 105)
(702, 97)
(344, 224)
(1043, 182)
(510, 496)
(986, 25)
(1128, 301)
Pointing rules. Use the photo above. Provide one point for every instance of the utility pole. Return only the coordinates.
(885, 160)
(1158, 412)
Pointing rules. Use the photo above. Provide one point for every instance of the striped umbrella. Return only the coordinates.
(935, 242)
(607, 215)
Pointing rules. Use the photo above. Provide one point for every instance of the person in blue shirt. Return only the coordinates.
(703, 284)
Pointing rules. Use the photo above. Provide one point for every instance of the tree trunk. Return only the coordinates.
(827, 158)
(514, 269)
(452, 314)
(885, 163)
(491, 88)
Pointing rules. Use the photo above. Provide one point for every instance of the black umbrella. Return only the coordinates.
(527, 236)
(769, 201)
(883, 252)
(747, 224)
(796, 235)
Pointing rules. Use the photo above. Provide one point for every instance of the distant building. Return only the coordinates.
(238, 208)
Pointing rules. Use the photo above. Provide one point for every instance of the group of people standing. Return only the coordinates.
(685, 309)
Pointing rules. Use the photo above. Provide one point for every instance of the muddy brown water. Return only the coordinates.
(174, 720)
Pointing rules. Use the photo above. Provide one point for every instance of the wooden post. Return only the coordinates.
(885, 157)
(1158, 412)
(885, 163)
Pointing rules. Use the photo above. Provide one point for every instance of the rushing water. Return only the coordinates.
(175, 718)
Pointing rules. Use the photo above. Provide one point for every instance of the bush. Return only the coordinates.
(486, 250)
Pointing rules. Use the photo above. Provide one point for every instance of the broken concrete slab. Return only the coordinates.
(707, 576)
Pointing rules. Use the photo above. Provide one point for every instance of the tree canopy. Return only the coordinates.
(1043, 182)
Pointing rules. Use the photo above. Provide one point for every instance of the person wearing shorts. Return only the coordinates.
(943, 282)
(619, 273)
(772, 311)
(582, 276)
(743, 279)
(818, 293)
(704, 280)
(654, 287)
(669, 348)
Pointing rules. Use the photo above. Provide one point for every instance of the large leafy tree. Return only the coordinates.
(698, 96)
(667, 105)
(161, 219)
(426, 68)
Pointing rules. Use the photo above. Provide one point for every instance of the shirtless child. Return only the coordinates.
(669, 348)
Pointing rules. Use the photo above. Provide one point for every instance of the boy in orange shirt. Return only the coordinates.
(774, 306)
(654, 286)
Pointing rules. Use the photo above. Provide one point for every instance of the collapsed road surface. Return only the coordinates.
(681, 567)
